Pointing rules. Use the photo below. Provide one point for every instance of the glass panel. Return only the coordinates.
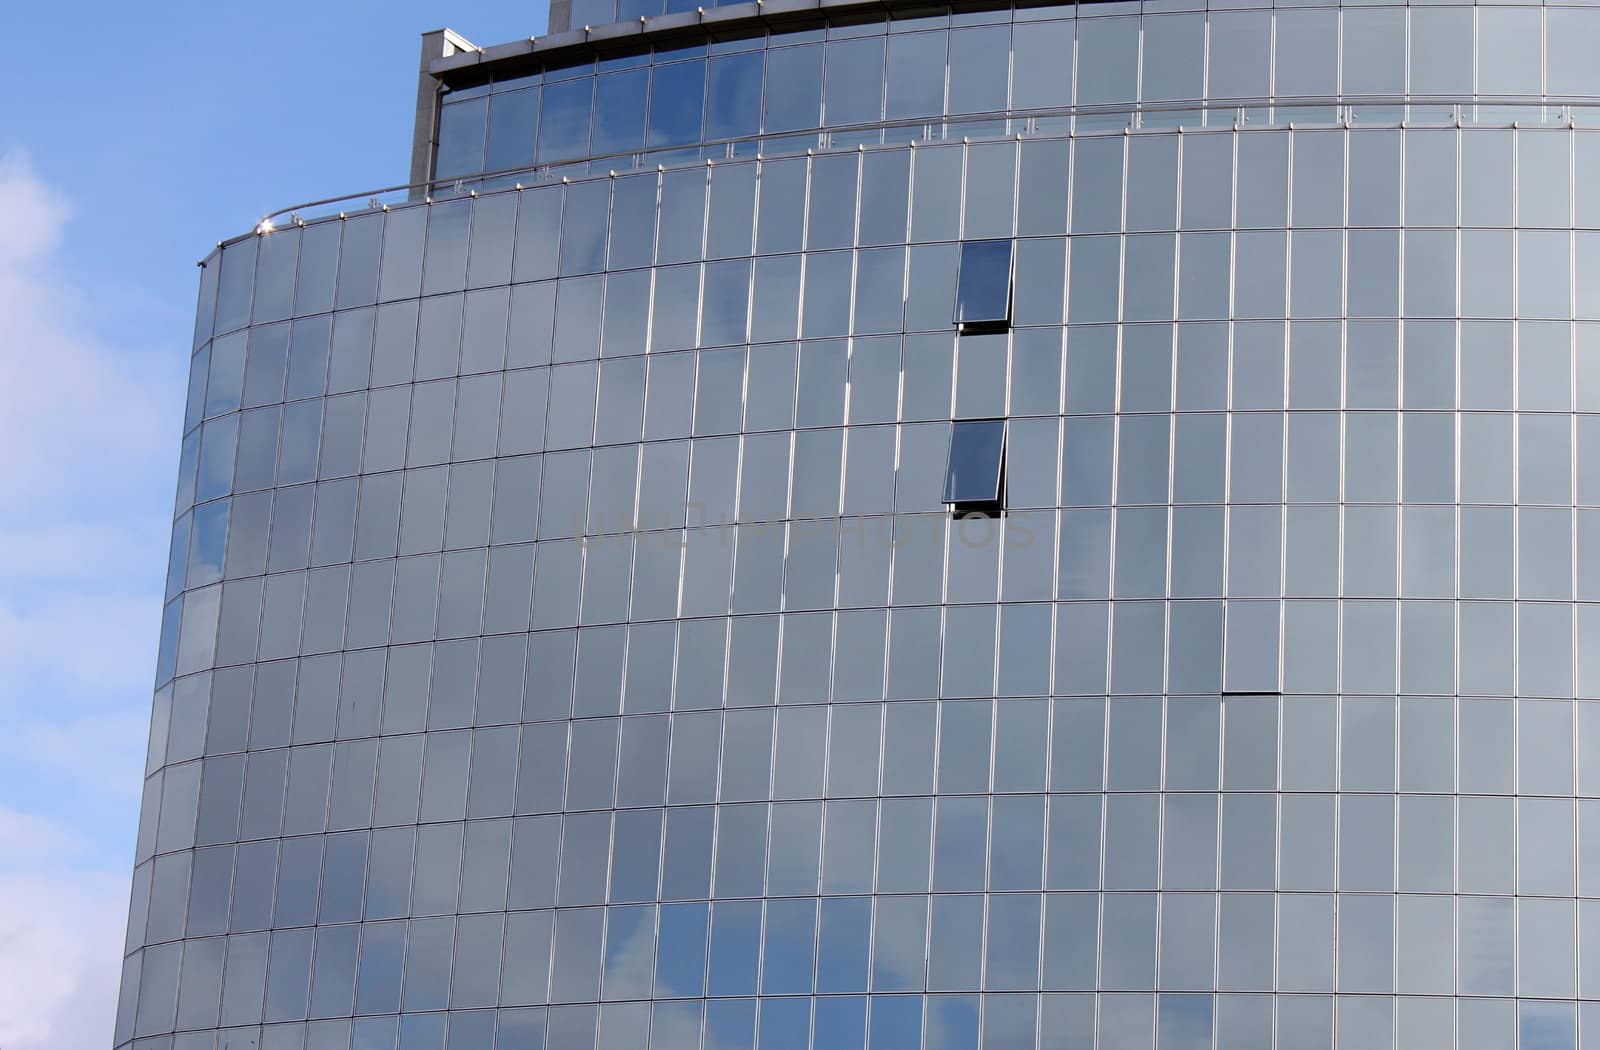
(799, 70)
(1307, 49)
(564, 128)
(972, 473)
(980, 62)
(733, 103)
(983, 293)
(855, 81)
(1042, 72)
(513, 124)
(677, 99)
(461, 133)
(1240, 63)
(619, 108)
(1173, 50)
(1374, 52)
(916, 75)
(1441, 51)
(1108, 63)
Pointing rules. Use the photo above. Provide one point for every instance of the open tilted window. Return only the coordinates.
(983, 291)
(974, 477)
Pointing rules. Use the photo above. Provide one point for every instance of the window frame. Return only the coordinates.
(980, 441)
(983, 255)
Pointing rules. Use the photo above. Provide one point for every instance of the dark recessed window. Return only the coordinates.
(983, 292)
(974, 476)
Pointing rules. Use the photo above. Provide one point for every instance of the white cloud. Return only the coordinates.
(61, 928)
(35, 213)
(82, 550)
(100, 753)
(77, 418)
(88, 447)
(28, 840)
(95, 641)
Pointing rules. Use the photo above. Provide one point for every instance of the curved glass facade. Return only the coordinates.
(868, 79)
(569, 645)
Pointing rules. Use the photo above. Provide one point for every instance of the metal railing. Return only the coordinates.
(1379, 111)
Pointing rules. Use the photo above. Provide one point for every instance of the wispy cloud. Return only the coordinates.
(87, 451)
(81, 550)
(86, 447)
(34, 226)
(79, 419)
(95, 641)
(61, 922)
(102, 754)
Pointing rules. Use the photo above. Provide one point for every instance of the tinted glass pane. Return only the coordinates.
(916, 75)
(733, 103)
(461, 127)
(798, 105)
(983, 293)
(513, 124)
(972, 472)
(619, 108)
(564, 126)
(855, 81)
(677, 96)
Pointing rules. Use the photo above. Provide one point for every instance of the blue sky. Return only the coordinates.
(133, 139)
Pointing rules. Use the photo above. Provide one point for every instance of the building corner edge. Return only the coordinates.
(436, 44)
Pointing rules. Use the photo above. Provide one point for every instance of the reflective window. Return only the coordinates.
(461, 138)
(564, 120)
(1173, 46)
(1240, 55)
(513, 129)
(799, 104)
(974, 468)
(855, 81)
(916, 75)
(979, 69)
(1108, 62)
(619, 111)
(733, 96)
(677, 97)
(983, 290)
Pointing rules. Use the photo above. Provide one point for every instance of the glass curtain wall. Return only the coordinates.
(568, 643)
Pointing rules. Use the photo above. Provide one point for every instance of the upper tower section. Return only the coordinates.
(620, 85)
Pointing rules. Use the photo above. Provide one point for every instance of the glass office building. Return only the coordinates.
(882, 527)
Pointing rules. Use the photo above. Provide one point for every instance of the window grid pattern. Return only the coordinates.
(566, 644)
(941, 76)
